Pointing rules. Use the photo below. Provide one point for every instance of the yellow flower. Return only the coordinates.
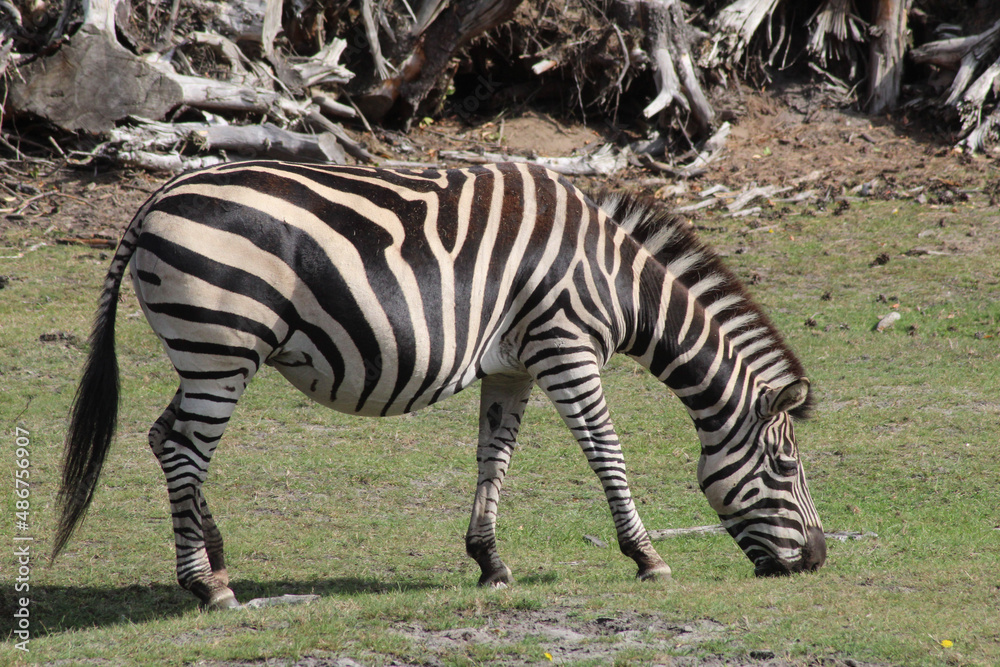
(944, 642)
(549, 655)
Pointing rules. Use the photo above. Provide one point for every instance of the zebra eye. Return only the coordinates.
(786, 466)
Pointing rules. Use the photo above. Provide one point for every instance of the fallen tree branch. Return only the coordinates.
(716, 529)
(666, 533)
(169, 163)
(599, 163)
(332, 107)
(265, 140)
(744, 198)
(324, 67)
(710, 151)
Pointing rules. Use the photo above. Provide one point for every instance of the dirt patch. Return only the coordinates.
(69, 203)
(569, 639)
(560, 637)
(543, 135)
(798, 132)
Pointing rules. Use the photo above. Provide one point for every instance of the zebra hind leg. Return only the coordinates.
(183, 440)
(502, 405)
(213, 542)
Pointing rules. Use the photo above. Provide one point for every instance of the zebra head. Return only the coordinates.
(754, 480)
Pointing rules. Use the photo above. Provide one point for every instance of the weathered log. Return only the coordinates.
(244, 20)
(265, 140)
(213, 95)
(356, 150)
(972, 61)
(109, 83)
(976, 59)
(123, 85)
(270, 26)
(171, 163)
(270, 141)
(945, 53)
(885, 64)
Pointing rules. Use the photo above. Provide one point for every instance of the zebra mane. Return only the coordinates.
(673, 242)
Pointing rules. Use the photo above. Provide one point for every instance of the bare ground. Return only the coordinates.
(797, 138)
(564, 639)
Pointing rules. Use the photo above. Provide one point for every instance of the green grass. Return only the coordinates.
(370, 514)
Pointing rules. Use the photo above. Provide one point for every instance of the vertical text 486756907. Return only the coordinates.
(22, 539)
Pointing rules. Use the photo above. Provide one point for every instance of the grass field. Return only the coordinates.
(370, 514)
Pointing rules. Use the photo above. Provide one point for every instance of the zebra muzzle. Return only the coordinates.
(811, 558)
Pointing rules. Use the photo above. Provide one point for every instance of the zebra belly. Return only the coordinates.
(348, 394)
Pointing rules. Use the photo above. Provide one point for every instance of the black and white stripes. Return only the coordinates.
(378, 292)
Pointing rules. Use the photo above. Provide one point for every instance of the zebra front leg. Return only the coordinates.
(184, 439)
(580, 401)
(501, 407)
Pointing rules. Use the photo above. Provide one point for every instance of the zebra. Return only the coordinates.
(379, 291)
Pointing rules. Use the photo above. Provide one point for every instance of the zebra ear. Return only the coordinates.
(787, 398)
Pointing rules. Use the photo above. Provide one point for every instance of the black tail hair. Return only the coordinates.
(93, 421)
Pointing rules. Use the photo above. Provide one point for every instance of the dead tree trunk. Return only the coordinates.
(885, 66)
(667, 42)
(440, 31)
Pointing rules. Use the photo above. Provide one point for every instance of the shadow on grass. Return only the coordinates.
(57, 609)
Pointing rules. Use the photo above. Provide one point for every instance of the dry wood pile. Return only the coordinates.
(174, 84)
(170, 85)
(876, 45)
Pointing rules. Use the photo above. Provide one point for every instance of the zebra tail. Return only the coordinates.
(94, 417)
(92, 423)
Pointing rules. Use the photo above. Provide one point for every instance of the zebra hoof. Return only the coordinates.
(499, 579)
(661, 571)
(224, 599)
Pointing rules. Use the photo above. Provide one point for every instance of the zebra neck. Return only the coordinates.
(696, 354)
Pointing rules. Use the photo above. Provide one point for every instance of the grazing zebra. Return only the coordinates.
(381, 291)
